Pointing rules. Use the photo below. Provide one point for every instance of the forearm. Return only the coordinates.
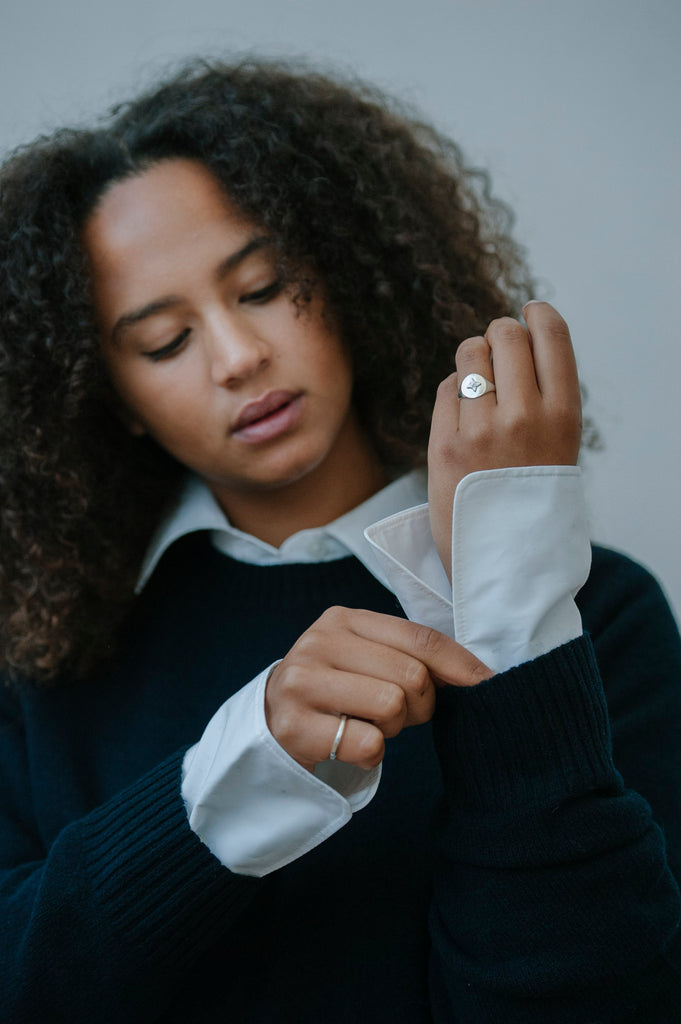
(553, 895)
(125, 897)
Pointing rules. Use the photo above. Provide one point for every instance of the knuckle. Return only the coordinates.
(287, 727)
(423, 710)
(479, 435)
(442, 449)
(471, 350)
(567, 418)
(371, 748)
(393, 729)
(427, 641)
(289, 683)
(335, 617)
(391, 703)
(306, 648)
(416, 677)
(516, 424)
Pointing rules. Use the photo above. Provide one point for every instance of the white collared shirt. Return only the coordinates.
(197, 509)
(520, 553)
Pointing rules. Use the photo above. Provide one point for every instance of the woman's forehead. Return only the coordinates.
(171, 193)
(152, 231)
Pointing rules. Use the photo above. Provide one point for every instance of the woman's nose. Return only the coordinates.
(235, 352)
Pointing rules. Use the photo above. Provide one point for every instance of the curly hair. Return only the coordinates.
(413, 253)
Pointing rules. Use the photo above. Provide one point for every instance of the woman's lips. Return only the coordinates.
(269, 416)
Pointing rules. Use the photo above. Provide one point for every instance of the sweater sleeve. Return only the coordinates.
(558, 838)
(126, 895)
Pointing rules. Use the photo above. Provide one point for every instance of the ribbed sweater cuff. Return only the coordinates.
(527, 736)
(158, 884)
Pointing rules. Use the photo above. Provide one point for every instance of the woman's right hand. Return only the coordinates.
(379, 670)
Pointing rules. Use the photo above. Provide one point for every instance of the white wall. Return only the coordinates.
(573, 106)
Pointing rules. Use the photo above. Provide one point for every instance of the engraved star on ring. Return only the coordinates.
(474, 385)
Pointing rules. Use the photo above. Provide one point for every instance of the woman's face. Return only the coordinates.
(207, 352)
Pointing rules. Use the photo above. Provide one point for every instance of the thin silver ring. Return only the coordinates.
(338, 737)
(474, 385)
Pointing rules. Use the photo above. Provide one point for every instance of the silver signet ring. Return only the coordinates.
(474, 385)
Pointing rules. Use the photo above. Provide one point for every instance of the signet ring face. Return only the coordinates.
(474, 385)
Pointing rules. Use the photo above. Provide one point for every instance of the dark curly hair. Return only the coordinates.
(413, 254)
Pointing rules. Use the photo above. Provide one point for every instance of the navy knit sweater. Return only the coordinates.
(505, 871)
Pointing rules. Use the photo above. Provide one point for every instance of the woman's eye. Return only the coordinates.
(263, 294)
(170, 349)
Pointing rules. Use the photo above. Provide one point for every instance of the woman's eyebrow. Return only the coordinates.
(168, 301)
(259, 242)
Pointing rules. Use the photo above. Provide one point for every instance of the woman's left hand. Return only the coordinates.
(532, 419)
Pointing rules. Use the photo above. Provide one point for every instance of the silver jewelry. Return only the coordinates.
(475, 385)
(338, 737)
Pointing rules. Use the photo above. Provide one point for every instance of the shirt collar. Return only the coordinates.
(196, 509)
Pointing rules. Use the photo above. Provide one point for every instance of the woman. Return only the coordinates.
(256, 788)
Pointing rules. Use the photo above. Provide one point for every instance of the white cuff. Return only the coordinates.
(404, 548)
(254, 806)
(520, 553)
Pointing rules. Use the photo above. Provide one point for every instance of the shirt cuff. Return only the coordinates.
(404, 548)
(254, 806)
(520, 553)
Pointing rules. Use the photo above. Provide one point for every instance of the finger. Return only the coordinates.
(395, 685)
(554, 357)
(333, 648)
(474, 356)
(446, 660)
(361, 743)
(310, 736)
(445, 416)
(389, 706)
(514, 372)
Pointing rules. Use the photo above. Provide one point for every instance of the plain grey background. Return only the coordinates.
(572, 106)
